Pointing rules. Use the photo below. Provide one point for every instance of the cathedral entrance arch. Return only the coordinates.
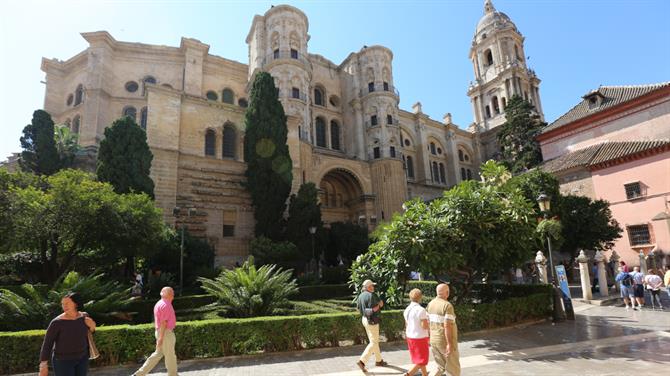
(342, 197)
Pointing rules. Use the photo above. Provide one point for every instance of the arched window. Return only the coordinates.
(242, 102)
(436, 173)
(386, 86)
(295, 93)
(443, 178)
(76, 122)
(371, 87)
(463, 176)
(433, 150)
(496, 106)
(516, 52)
(70, 99)
(229, 141)
(320, 132)
(504, 103)
(392, 151)
(212, 95)
(373, 120)
(469, 174)
(389, 119)
(488, 112)
(228, 96)
(210, 143)
(131, 112)
(144, 113)
(460, 155)
(145, 81)
(334, 135)
(318, 97)
(410, 167)
(79, 95)
(489, 57)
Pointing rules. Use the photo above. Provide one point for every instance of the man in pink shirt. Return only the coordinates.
(165, 321)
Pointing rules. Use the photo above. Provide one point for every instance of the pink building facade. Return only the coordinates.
(615, 146)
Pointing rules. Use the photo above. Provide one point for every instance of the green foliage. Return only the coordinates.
(304, 212)
(535, 182)
(335, 274)
(283, 254)
(473, 231)
(269, 166)
(39, 153)
(198, 257)
(347, 240)
(247, 291)
(33, 308)
(587, 224)
(322, 292)
(520, 150)
(225, 337)
(481, 292)
(550, 228)
(124, 158)
(69, 216)
(67, 145)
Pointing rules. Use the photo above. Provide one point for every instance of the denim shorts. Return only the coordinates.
(626, 292)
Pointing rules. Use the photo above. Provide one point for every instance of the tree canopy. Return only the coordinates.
(269, 167)
(304, 212)
(39, 153)
(520, 150)
(124, 158)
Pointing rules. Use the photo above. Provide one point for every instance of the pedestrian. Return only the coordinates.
(666, 280)
(638, 286)
(416, 332)
(66, 340)
(626, 286)
(444, 332)
(518, 275)
(138, 285)
(623, 266)
(654, 283)
(369, 305)
(165, 321)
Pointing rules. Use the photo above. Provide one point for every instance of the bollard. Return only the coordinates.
(584, 275)
(643, 263)
(614, 259)
(541, 263)
(602, 274)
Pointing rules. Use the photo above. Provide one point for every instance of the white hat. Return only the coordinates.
(367, 283)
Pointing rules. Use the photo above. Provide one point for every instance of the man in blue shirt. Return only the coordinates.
(638, 286)
(625, 281)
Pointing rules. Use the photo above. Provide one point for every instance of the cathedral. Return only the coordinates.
(346, 132)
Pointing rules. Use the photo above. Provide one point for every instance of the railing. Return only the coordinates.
(379, 87)
(288, 55)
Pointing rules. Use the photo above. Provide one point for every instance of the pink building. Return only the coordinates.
(615, 145)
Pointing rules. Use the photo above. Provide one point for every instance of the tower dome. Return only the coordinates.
(493, 19)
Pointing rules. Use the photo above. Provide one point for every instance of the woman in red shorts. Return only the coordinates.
(416, 331)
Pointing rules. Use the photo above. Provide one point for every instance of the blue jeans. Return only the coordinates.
(75, 367)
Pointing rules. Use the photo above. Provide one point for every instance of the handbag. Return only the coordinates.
(370, 316)
(93, 352)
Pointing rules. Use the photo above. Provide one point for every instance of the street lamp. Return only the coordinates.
(544, 201)
(312, 231)
(176, 213)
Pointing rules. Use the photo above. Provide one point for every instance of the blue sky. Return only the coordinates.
(573, 45)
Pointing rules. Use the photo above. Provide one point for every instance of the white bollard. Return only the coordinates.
(541, 263)
(602, 274)
(584, 275)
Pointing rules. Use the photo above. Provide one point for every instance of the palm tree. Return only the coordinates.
(67, 145)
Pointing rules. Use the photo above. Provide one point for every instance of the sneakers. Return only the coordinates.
(381, 363)
(637, 308)
(627, 308)
(361, 365)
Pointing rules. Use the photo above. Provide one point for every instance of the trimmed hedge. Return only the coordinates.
(223, 337)
(322, 292)
(486, 293)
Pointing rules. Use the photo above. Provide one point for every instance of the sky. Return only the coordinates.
(573, 45)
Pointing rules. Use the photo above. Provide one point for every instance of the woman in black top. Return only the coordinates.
(66, 341)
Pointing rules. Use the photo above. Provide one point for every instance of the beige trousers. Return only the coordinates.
(373, 345)
(449, 363)
(167, 351)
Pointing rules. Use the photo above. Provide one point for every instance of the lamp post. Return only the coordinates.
(176, 213)
(544, 202)
(312, 231)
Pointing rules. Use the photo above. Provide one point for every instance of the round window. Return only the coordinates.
(439, 151)
(212, 96)
(243, 103)
(131, 86)
(407, 142)
(70, 98)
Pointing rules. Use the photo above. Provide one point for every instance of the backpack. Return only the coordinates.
(627, 281)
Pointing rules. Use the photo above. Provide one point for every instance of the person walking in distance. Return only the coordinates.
(416, 332)
(444, 332)
(625, 282)
(369, 305)
(638, 286)
(654, 284)
(165, 321)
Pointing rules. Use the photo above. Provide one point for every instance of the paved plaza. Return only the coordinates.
(603, 340)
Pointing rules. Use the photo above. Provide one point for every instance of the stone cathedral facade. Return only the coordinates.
(347, 133)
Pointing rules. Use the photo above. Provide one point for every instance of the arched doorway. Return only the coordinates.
(341, 197)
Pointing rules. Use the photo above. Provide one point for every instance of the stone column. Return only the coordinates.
(541, 263)
(643, 263)
(584, 275)
(602, 274)
(614, 259)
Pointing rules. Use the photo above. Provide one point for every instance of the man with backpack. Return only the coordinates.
(626, 283)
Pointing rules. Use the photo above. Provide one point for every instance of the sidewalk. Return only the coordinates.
(601, 341)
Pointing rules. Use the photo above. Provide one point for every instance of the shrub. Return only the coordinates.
(31, 308)
(248, 292)
(198, 257)
(322, 292)
(335, 274)
(283, 254)
(483, 293)
(224, 337)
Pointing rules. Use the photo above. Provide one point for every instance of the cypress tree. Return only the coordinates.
(520, 150)
(304, 211)
(124, 158)
(39, 154)
(269, 167)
